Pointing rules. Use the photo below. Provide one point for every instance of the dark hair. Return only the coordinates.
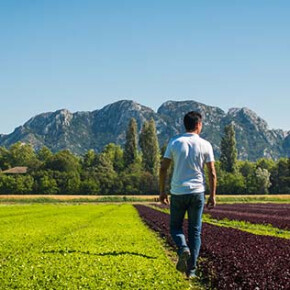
(191, 119)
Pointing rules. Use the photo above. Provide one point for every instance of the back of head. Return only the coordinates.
(191, 119)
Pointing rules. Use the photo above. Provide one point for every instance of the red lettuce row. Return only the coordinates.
(278, 215)
(266, 208)
(234, 259)
(281, 210)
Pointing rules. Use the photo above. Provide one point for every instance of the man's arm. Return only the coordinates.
(212, 185)
(163, 197)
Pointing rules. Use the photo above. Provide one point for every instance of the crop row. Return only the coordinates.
(278, 222)
(233, 259)
(264, 208)
(275, 214)
(281, 210)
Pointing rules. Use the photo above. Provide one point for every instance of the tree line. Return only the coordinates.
(131, 169)
(245, 177)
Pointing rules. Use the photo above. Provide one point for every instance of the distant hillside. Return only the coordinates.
(82, 131)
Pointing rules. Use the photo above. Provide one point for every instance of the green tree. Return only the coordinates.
(47, 184)
(115, 154)
(89, 159)
(229, 154)
(65, 169)
(67, 182)
(19, 184)
(44, 154)
(266, 163)
(7, 184)
(131, 150)
(131, 182)
(281, 176)
(63, 161)
(231, 183)
(23, 155)
(262, 180)
(148, 183)
(98, 174)
(258, 182)
(89, 186)
(4, 159)
(105, 174)
(102, 174)
(246, 168)
(150, 148)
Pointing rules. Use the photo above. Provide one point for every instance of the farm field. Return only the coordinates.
(107, 246)
(81, 247)
(232, 258)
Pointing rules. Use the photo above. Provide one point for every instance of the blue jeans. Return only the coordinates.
(193, 204)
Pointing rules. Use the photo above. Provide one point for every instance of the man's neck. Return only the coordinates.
(192, 132)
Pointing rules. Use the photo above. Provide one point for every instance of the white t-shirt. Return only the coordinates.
(189, 153)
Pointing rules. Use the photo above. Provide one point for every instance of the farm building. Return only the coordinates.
(16, 170)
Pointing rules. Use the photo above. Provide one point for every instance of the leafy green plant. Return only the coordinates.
(58, 246)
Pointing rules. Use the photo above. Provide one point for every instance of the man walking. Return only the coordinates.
(189, 152)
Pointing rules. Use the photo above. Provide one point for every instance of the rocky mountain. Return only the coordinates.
(82, 131)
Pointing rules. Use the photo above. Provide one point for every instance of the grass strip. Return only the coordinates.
(253, 198)
(75, 200)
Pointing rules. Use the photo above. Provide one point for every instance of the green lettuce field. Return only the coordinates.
(82, 247)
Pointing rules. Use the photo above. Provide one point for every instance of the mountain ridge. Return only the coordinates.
(84, 130)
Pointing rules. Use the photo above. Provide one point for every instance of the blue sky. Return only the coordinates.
(82, 55)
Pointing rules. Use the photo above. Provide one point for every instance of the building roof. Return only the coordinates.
(16, 170)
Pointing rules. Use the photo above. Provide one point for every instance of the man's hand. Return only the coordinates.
(212, 185)
(211, 203)
(163, 198)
